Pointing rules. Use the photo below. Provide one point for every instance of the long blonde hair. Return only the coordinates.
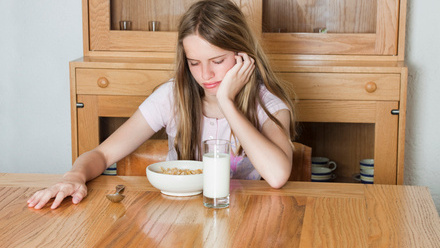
(222, 24)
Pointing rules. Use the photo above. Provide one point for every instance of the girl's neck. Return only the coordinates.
(211, 108)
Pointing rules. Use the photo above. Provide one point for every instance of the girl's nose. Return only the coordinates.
(207, 73)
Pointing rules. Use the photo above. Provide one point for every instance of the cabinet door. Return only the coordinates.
(335, 27)
(379, 141)
(105, 34)
(97, 107)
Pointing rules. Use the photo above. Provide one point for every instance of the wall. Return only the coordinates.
(39, 38)
(422, 151)
(37, 41)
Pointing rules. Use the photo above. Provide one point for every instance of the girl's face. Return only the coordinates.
(208, 64)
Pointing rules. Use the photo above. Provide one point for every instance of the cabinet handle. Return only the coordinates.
(103, 82)
(80, 105)
(395, 112)
(370, 87)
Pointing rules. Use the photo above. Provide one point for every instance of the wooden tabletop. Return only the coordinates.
(301, 214)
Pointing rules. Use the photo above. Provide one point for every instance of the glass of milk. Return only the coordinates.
(216, 173)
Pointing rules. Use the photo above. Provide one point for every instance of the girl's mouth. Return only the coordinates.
(211, 85)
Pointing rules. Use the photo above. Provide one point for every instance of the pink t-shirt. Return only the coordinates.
(157, 110)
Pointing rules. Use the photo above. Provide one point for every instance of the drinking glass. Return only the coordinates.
(125, 25)
(216, 173)
(153, 26)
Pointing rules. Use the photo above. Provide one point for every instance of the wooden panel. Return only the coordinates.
(344, 86)
(385, 151)
(254, 14)
(329, 44)
(118, 106)
(167, 12)
(387, 27)
(306, 16)
(336, 111)
(402, 127)
(386, 226)
(120, 82)
(103, 39)
(354, 27)
(88, 124)
(323, 217)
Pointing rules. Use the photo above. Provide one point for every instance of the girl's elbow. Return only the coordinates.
(277, 183)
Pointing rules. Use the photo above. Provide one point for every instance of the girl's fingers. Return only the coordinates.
(35, 199)
(59, 191)
(79, 195)
(58, 199)
(248, 65)
(43, 199)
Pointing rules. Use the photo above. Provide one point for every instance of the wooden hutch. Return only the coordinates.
(344, 59)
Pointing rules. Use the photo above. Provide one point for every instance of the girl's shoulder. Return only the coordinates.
(164, 88)
(272, 102)
(266, 95)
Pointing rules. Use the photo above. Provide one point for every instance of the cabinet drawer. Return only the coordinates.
(119, 82)
(344, 86)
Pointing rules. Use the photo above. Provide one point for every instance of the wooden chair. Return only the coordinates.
(150, 152)
(302, 163)
(156, 150)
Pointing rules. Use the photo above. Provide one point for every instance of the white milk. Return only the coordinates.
(216, 175)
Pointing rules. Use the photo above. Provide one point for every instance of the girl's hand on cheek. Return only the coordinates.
(236, 77)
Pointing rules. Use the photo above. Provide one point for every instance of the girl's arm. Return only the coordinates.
(91, 164)
(269, 151)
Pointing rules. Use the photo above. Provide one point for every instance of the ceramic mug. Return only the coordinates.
(323, 162)
(367, 170)
(366, 164)
(367, 179)
(322, 174)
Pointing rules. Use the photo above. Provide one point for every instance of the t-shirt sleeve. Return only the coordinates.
(157, 108)
(272, 103)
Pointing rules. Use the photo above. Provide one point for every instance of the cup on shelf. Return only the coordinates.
(153, 26)
(367, 170)
(111, 171)
(366, 164)
(323, 162)
(367, 179)
(322, 174)
(125, 25)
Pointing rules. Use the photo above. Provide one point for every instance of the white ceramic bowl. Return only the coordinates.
(176, 185)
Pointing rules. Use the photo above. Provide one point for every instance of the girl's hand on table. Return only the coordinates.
(69, 186)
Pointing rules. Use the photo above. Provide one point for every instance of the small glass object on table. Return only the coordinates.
(216, 173)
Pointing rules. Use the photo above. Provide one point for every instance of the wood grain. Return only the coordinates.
(286, 28)
(301, 214)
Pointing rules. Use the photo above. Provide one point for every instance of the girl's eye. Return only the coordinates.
(219, 61)
(192, 63)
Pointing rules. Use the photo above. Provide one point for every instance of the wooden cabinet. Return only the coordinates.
(287, 29)
(349, 111)
(347, 27)
(343, 58)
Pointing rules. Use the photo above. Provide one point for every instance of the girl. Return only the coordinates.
(223, 88)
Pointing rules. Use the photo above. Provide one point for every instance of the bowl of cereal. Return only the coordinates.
(177, 178)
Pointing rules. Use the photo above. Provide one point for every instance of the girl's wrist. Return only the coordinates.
(74, 176)
(226, 105)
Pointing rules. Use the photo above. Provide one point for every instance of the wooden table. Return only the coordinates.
(301, 214)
